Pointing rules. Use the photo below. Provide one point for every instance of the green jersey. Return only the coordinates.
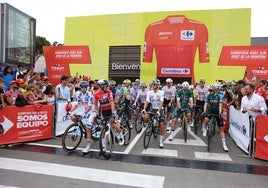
(184, 96)
(213, 102)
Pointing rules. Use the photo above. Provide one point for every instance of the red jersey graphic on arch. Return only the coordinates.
(255, 58)
(175, 40)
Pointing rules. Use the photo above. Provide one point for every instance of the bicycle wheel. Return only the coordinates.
(138, 124)
(184, 127)
(147, 135)
(196, 122)
(209, 135)
(156, 128)
(72, 137)
(106, 142)
(126, 132)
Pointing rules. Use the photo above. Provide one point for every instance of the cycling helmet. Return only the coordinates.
(102, 82)
(127, 81)
(213, 87)
(44, 78)
(169, 80)
(83, 84)
(156, 81)
(191, 87)
(202, 80)
(185, 84)
(20, 81)
(112, 82)
(137, 81)
(143, 84)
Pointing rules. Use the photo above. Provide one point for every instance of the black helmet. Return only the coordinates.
(83, 84)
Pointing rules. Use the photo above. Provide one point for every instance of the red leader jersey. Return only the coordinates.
(175, 40)
(104, 99)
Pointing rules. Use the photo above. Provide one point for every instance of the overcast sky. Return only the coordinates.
(50, 14)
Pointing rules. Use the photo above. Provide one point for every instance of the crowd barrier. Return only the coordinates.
(28, 123)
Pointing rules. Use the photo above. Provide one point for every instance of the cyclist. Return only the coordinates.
(213, 105)
(104, 105)
(114, 89)
(141, 97)
(201, 93)
(169, 97)
(126, 97)
(85, 101)
(185, 103)
(156, 99)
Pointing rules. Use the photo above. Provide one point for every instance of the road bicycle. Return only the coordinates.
(198, 118)
(152, 128)
(211, 128)
(74, 133)
(109, 136)
(184, 124)
(124, 117)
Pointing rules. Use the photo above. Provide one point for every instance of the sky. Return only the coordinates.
(50, 14)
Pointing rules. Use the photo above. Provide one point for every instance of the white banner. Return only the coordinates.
(62, 119)
(239, 128)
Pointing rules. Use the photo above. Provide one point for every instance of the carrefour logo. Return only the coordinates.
(187, 34)
(242, 128)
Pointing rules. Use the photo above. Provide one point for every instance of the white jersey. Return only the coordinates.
(201, 93)
(169, 92)
(141, 97)
(155, 98)
(85, 100)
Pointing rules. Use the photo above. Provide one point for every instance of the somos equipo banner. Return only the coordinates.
(25, 124)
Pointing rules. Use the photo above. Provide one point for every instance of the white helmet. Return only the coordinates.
(169, 80)
(185, 84)
(191, 87)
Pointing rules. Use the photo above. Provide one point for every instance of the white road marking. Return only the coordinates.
(212, 156)
(190, 142)
(134, 141)
(162, 152)
(82, 173)
(5, 186)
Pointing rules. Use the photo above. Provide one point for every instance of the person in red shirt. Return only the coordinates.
(175, 40)
(104, 105)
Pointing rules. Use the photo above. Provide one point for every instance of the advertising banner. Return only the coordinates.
(261, 149)
(254, 58)
(58, 59)
(63, 120)
(22, 124)
(239, 128)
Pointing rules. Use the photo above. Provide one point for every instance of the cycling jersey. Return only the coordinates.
(185, 96)
(213, 102)
(141, 97)
(175, 40)
(104, 99)
(169, 92)
(155, 98)
(201, 93)
(85, 99)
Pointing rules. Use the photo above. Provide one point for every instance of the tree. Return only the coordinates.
(39, 43)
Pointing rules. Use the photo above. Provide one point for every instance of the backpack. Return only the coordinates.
(20, 101)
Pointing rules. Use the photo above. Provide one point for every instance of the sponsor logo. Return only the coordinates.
(241, 128)
(187, 34)
(32, 120)
(165, 33)
(175, 71)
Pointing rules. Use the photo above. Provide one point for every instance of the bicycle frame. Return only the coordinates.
(152, 128)
(184, 124)
(211, 129)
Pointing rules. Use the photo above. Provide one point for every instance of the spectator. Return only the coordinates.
(256, 82)
(19, 73)
(2, 91)
(8, 76)
(62, 91)
(11, 95)
(49, 95)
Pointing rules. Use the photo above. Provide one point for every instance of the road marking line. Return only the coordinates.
(134, 141)
(5, 186)
(162, 152)
(197, 142)
(212, 156)
(82, 173)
